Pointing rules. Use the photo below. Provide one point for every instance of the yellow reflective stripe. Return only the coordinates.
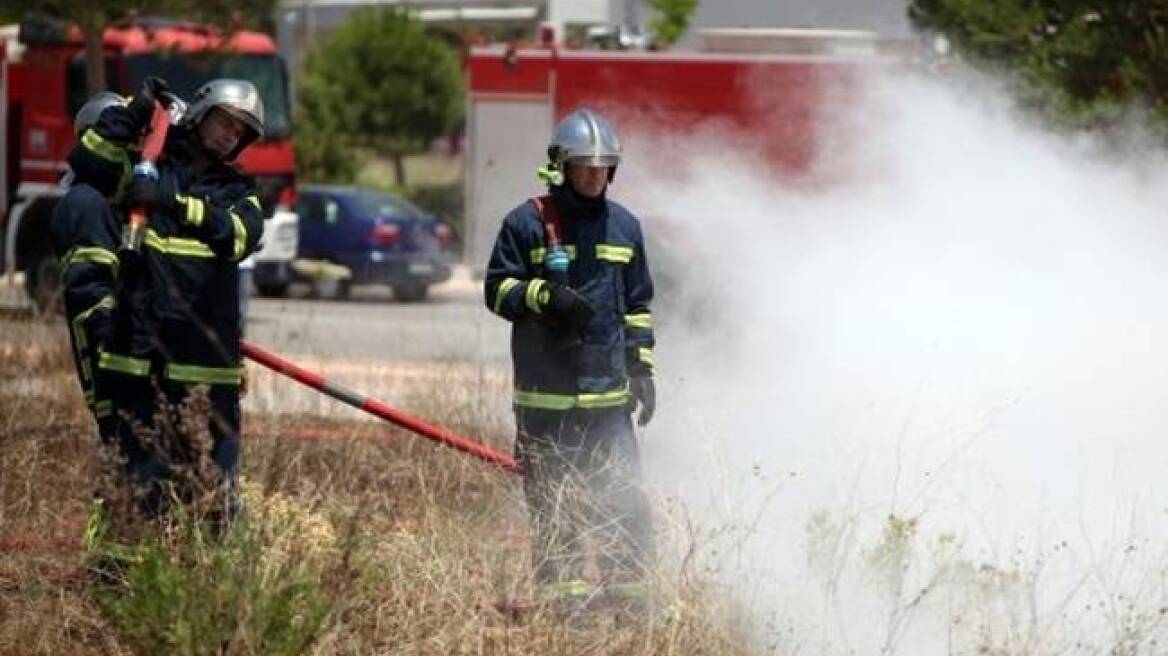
(531, 296)
(538, 253)
(645, 355)
(549, 401)
(93, 254)
(240, 236)
(104, 148)
(643, 320)
(613, 253)
(192, 373)
(603, 399)
(124, 364)
(177, 245)
(255, 200)
(501, 292)
(196, 209)
(106, 303)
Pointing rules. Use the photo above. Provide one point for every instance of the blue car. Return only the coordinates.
(379, 237)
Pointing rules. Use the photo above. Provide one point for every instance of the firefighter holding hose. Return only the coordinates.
(569, 271)
(178, 325)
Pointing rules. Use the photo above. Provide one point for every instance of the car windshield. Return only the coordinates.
(381, 204)
(187, 72)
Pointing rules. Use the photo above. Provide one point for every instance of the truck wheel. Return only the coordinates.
(42, 283)
(410, 292)
(272, 289)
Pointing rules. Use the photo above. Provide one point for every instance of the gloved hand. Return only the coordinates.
(142, 106)
(562, 303)
(148, 194)
(644, 393)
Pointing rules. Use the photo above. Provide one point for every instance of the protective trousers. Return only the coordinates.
(583, 491)
(160, 457)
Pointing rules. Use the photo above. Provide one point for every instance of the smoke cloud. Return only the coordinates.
(929, 396)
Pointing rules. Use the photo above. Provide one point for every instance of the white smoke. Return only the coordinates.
(967, 329)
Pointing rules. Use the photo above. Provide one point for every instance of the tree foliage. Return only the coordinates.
(380, 82)
(670, 20)
(1080, 60)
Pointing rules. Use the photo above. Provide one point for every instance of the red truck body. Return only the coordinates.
(766, 106)
(42, 85)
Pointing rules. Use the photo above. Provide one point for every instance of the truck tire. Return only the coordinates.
(42, 283)
(272, 289)
(410, 292)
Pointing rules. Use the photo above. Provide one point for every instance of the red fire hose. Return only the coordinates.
(378, 408)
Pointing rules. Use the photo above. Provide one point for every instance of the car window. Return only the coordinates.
(332, 211)
(308, 208)
(381, 204)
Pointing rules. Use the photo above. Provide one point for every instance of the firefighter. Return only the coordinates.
(85, 230)
(182, 325)
(569, 271)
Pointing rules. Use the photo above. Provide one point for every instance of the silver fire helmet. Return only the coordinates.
(584, 137)
(88, 114)
(238, 98)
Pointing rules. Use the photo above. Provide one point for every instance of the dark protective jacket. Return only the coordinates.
(179, 311)
(84, 232)
(589, 366)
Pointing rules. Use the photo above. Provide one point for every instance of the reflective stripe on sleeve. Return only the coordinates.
(196, 209)
(240, 236)
(645, 355)
(501, 292)
(177, 245)
(531, 296)
(191, 373)
(92, 254)
(643, 320)
(104, 148)
(106, 303)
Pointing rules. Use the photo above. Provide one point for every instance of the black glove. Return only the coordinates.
(148, 194)
(562, 303)
(142, 106)
(644, 392)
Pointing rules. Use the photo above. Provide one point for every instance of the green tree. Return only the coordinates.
(93, 18)
(381, 82)
(670, 20)
(1081, 61)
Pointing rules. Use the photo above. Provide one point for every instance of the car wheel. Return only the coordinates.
(42, 283)
(410, 292)
(344, 289)
(272, 289)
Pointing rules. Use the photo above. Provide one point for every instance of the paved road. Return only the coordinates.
(451, 325)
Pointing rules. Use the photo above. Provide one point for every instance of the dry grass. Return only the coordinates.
(413, 545)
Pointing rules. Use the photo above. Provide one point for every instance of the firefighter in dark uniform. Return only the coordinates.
(569, 271)
(178, 325)
(85, 231)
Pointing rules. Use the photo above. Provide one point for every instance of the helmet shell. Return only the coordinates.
(89, 113)
(239, 98)
(584, 137)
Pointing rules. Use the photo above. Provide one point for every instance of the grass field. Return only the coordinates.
(367, 541)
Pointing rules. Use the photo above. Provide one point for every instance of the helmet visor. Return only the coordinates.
(594, 160)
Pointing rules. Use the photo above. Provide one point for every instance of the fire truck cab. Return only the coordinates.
(42, 85)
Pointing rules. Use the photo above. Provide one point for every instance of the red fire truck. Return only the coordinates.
(763, 93)
(42, 85)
